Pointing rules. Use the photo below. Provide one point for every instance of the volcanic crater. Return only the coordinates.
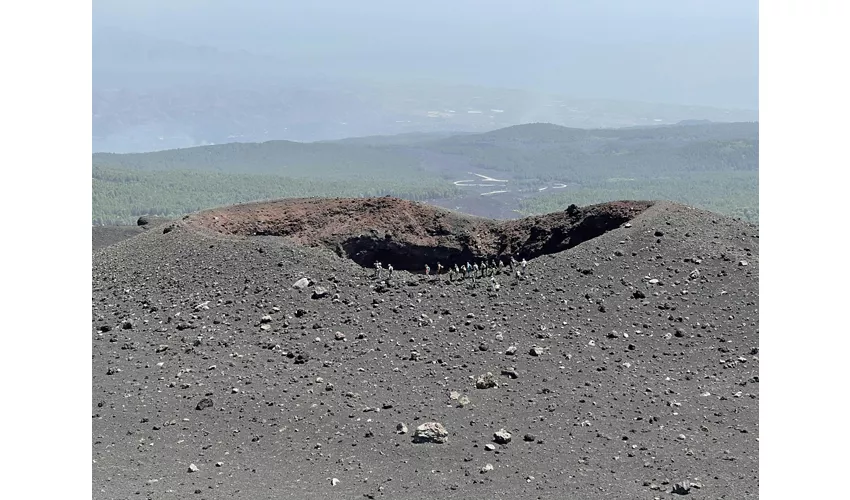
(235, 356)
(410, 235)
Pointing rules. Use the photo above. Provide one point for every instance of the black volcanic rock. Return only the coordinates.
(204, 403)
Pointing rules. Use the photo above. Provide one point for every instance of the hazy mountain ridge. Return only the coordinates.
(519, 165)
(151, 94)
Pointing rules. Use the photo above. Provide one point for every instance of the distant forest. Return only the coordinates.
(121, 195)
(709, 165)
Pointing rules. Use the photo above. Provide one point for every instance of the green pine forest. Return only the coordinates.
(712, 166)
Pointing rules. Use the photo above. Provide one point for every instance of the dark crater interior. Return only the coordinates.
(410, 236)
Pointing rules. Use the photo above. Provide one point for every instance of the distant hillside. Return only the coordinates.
(314, 160)
(550, 152)
(530, 168)
(406, 139)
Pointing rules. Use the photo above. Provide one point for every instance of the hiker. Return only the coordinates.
(439, 270)
(390, 269)
(378, 269)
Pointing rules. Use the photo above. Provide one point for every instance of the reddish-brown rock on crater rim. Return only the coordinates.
(410, 235)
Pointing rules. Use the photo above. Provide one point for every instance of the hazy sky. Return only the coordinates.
(677, 51)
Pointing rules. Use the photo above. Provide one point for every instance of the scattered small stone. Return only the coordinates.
(235, 390)
(431, 432)
(487, 468)
(401, 428)
(301, 283)
(127, 324)
(502, 436)
(193, 468)
(320, 292)
(483, 347)
(682, 488)
(529, 437)
(638, 294)
(659, 233)
(510, 372)
(536, 351)
(204, 403)
(219, 464)
(510, 351)
(266, 319)
(743, 263)
(486, 381)
(489, 447)
(339, 336)
(334, 482)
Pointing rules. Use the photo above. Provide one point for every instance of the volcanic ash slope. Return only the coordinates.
(623, 367)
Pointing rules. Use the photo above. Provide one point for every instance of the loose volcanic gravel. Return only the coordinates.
(623, 367)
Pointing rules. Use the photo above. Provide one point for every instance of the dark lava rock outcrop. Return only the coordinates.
(410, 235)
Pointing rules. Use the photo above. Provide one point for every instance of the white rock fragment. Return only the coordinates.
(431, 432)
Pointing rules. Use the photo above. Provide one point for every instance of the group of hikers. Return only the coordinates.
(487, 268)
